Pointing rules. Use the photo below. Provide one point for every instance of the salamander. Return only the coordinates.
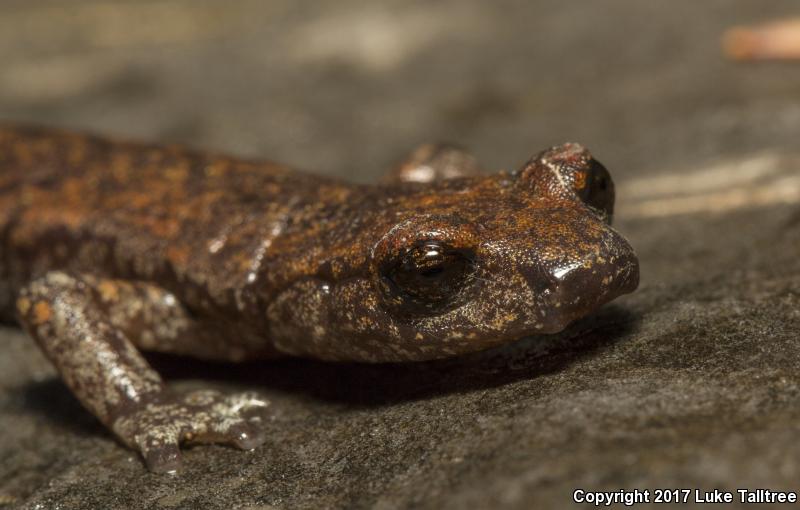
(110, 248)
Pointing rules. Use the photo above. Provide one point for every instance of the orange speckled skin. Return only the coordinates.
(137, 246)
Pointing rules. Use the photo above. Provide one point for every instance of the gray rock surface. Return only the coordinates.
(691, 382)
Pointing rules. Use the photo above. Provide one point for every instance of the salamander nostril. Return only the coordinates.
(541, 280)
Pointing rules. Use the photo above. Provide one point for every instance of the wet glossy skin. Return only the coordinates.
(110, 247)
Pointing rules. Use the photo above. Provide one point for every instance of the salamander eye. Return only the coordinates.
(427, 276)
(597, 188)
(570, 172)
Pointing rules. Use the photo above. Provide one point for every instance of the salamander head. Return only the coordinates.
(473, 263)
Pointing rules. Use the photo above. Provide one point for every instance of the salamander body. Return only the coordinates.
(111, 247)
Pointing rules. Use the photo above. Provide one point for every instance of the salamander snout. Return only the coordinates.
(588, 279)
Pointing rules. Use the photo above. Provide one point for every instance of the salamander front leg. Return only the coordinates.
(434, 162)
(72, 318)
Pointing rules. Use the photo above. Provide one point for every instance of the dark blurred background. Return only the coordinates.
(691, 382)
(347, 87)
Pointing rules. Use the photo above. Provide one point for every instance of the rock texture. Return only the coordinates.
(692, 382)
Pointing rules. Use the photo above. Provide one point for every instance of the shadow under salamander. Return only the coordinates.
(367, 385)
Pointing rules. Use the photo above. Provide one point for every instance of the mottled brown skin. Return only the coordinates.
(111, 247)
